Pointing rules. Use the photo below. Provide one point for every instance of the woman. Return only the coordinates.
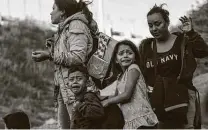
(16, 120)
(72, 45)
(132, 92)
(171, 61)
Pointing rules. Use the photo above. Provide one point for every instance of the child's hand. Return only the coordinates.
(105, 103)
(71, 100)
(75, 105)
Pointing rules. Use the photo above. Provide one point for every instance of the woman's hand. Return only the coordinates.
(39, 56)
(49, 42)
(187, 25)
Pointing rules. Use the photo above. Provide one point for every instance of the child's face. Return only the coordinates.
(125, 56)
(77, 82)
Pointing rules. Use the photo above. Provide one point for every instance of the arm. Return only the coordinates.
(132, 77)
(76, 46)
(40, 56)
(43, 55)
(199, 46)
(50, 46)
(91, 107)
(141, 56)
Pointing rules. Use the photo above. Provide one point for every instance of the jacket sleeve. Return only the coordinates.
(50, 46)
(142, 55)
(141, 61)
(199, 46)
(76, 46)
(91, 107)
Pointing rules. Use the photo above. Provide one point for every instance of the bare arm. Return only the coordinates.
(132, 77)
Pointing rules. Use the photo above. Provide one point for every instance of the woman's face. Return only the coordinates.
(158, 27)
(125, 56)
(56, 14)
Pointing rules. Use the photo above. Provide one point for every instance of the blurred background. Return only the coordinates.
(25, 24)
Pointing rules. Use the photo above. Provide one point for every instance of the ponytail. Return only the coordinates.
(82, 6)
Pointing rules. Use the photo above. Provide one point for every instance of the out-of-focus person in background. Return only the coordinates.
(17, 120)
(71, 44)
(169, 58)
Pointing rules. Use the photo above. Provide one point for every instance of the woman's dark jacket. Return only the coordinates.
(195, 47)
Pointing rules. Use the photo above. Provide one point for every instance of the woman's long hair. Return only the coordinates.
(83, 7)
(71, 7)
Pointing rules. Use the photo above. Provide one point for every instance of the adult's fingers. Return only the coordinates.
(182, 19)
(35, 55)
(185, 18)
(36, 52)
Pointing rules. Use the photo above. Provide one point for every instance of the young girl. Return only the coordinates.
(132, 92)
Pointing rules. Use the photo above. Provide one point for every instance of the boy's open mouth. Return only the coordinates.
(75, 86)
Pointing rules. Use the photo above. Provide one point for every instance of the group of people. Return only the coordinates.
(153, 86)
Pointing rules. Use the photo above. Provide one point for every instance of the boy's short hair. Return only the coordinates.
(79, 67)
(17, 120)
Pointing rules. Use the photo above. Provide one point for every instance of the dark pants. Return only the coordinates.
(113, 118)
(148, 127)
(175, 119)
(170, 125)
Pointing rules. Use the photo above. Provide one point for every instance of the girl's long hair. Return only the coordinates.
(117, 68)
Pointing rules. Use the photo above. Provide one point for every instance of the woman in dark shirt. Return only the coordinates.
(169, 62)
